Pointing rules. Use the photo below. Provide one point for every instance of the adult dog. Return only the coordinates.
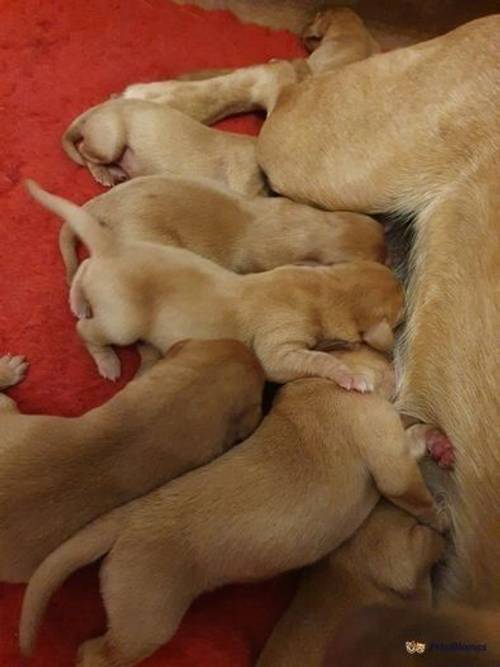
(415, 133)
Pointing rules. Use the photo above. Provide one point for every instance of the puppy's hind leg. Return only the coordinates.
(103, 146)
(12, 371)
(78, 303)
(144, 607)
(106, 359)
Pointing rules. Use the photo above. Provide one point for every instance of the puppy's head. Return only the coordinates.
(394, 554)
(360, 237)
(234, 376)
(241, 380)
(376, 302)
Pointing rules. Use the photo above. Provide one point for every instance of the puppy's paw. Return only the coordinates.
(12, 370)
(440, 448)
(136, 91)
(361, 382)
(439, 518)
(108, 365)
(78, 304)
(147, 91)
(107, 175)
(92, 653)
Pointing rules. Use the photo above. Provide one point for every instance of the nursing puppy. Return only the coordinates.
(412, 132)
(122, 139)
(157, 294)
(387, 561)
(57, 474)
(291, 493)
(242, 234)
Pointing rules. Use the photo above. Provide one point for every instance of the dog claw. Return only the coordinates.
(109, 367)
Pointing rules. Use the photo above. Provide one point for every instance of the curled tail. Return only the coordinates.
(96, 237)
(86, 546)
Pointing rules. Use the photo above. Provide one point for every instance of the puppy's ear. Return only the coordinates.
(380, 336)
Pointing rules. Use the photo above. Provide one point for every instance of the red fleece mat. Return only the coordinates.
(57, 58)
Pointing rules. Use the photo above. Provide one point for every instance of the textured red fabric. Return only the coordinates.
(57, 58)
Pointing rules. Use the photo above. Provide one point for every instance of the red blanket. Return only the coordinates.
(57, 58)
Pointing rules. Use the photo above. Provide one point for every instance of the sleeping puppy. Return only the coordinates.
(291, 493)
(387, 561)
(57, 474)
(242, 234)
(158, 294)
(122, 139)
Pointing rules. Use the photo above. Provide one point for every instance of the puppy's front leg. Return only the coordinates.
(285, 361)
(392, 461)
(98, 346)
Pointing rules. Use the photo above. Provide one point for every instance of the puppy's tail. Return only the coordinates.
(73, 136)
(95, 235)
(86, 546)
(67, 246)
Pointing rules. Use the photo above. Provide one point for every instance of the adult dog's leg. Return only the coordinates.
(451, 366)
(209, 100)
(211, 95)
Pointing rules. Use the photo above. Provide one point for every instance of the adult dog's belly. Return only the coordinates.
(417, 132)
(386, 133)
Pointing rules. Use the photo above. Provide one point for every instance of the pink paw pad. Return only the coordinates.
(359, 383)
(440, 448)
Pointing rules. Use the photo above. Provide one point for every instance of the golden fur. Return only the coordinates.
(288, 495)
(57, 474)
(387, 561)
(242, 234)
(159, 295)
(413, 132)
